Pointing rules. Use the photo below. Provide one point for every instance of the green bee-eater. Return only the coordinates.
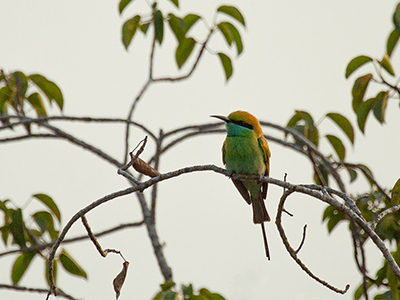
(246, 152)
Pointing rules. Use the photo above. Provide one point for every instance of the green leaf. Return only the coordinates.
(226, 32)
(184, 50)
(385, 63)
(379, 107)
(123, 4)
(187, 291)
(352, 174)
(17, 227)
(226, 64)
(363, 112)
(5, 96)
(177, 26)
(190, 20)
(49, 88)
(167, 285)
(70, 265)
(46, 223)
(49, 202)
(233, 12)
(21, 264)
(337, 146)
(20, 81)
(356, 63)
(333, 216)
(395, 193)
(344, 124)
(396, 17)
(37, 103)
(368, 170)
(54, 271)
(211, 296)
(129, 29)
(175, 2)
(392, 41)
(5, 229)
(359, 88)
(231, 34)
(159, 26)
(360, 290)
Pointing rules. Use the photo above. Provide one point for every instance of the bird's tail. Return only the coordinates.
(260, 214)
(265, 241)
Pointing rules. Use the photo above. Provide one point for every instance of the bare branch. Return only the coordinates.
(73, 240)
(312, 190)
(384, 214)
(96, 243)
(34, 290)
(41, 119)
(302, 240)
(292, 252)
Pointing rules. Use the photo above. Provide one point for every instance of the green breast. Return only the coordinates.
(243, 155)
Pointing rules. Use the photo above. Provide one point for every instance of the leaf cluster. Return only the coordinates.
(16, 232)
(180, 27)
(168, 292)
(388, 229)
(303, 123)
(384, 75)
(19, 91)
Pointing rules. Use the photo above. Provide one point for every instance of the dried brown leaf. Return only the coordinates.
(143, 167)
(119, 279)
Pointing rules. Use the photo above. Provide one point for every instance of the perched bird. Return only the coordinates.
(246, 152)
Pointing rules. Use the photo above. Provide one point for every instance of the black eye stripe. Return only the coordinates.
(243, 124)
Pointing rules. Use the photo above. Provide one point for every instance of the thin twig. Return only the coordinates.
(73, 240)
(35, 290)
(96, 243)
(25, 120)
(302, 240)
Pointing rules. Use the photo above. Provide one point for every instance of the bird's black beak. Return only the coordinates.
(223, 118)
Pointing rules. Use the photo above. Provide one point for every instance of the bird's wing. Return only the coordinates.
(223, 152)
(267, 154)
(238, 184)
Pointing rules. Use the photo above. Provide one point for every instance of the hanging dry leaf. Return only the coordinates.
(119, 279)
(143, 167)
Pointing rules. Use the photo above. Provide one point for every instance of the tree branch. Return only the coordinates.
(35, 290)
(73, 240)
(311, 190)
(292, 252)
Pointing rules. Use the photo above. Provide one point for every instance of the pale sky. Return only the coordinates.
(295, 55)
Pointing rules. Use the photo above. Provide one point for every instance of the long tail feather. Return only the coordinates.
(265, 241)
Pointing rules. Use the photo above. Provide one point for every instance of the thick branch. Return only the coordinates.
(325, 197)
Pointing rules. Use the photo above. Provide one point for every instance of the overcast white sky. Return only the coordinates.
(295, 55)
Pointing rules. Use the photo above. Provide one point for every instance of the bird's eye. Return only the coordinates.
(244, 124)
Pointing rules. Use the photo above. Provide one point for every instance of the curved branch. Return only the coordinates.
(325, 197)
(292, 252)
(383, 214)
